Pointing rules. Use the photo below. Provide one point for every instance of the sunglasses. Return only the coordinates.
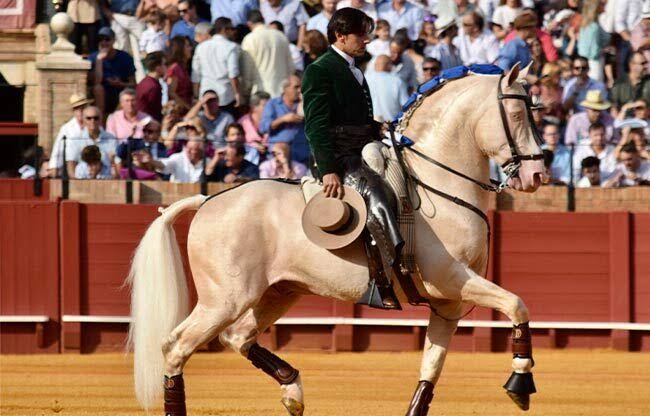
(182, 11)
(431, 68)
(92, 118)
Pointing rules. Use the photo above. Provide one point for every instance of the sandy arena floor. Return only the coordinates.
(590, 383)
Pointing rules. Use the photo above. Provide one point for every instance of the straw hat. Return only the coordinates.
(334, 223)
(594, 100)
(77, 100)
(443, 23)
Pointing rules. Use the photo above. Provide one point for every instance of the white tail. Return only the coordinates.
(159, 299)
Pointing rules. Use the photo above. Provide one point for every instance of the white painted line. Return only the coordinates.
(629, 326)
(24, 318)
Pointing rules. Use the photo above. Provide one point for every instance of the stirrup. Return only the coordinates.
(380, 297)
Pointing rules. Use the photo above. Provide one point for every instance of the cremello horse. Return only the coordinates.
(251, 261)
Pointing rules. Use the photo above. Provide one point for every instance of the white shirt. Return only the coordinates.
(379, 47)
(70, 129)
(607, 159)
(642, 173)
(106, 142)
(367, 8)
(482, 50)
(584, 183)
(181, 169)
(350, 60)
(152, 41)
(215, 63)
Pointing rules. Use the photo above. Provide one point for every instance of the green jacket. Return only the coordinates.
(332, 97)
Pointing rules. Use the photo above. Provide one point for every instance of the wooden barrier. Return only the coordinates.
(20, 189)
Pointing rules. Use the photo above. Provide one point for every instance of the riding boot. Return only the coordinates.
(380, 293)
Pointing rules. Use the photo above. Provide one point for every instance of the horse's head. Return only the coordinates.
(506, 133)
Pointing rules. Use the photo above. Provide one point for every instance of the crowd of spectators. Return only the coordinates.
(179, 89)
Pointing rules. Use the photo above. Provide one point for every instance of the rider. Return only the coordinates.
(339, 123)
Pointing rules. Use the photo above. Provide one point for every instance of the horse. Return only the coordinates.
(251, 261)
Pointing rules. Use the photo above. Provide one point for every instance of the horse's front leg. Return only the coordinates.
(484, 293)
(439, 333)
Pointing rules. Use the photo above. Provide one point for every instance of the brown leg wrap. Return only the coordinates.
(175, 396)
(421, 398)
(272, 365)
(522, 346)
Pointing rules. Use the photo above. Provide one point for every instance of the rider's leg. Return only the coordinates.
(242, 336)
(439, 334)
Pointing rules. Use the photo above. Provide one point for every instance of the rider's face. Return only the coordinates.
(353, 44)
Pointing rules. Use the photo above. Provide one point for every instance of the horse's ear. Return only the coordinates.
(513, 74)
(524, 72)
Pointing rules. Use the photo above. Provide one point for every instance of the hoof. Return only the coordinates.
(294, 407)
(521, 400)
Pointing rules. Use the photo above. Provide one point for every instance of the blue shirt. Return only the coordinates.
(512, 52)
(121, 66)
(182, 28)
(561, 166)
(388, 93)
(291, 13)
(319, 22)
(293, 133)
(124, 6)
(591, 84)
(410, 17)
(235, 10)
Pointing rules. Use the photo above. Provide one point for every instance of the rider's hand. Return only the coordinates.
(332, 186)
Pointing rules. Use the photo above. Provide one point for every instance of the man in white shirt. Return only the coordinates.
(266, 57)
(475, 44)
(319, 22)
(92, 134)
(185, 166)
(72, 128)
(597, 146)
(632, 171)
(387, 90)
(215, 66)
(400, 13)
(362, 5)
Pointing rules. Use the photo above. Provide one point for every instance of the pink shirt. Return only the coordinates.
(251, 132)
(268, 169)
(120, 127)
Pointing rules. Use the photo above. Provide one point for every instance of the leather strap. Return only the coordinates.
(175, 396)
(421, 398)
(522, 346)
(272, 365)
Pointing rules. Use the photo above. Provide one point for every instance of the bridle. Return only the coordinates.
(510, 167)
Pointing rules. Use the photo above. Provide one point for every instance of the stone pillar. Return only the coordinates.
(61, 73)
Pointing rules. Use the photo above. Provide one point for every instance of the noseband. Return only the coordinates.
(510, 167)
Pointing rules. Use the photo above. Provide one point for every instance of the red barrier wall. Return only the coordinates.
(565, 266)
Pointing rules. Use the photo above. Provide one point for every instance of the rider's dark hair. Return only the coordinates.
(348, 21)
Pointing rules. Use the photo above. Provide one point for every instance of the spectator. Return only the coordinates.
(213, 120)
(127, 29)
(122, 122)
(149, 90)
(634, 86)
(387, 90)
(91, 165)
(112, 70)
(428, 34)
(92, 134)
(430, 68)
(517, 49)
(292, 15)
(381, 44)
(626, 16)
(402, 64)
(545, 39)
(296, 52)
(476, 45)
(235, 135)
(537, 59)
(251, 122)
(637, 136)
(188, 21)
(150, 142)
(592, 39)
(281, 165)
(402, 14)
(575, 90)
(550, 90)
(597, 146)
(229, 166)
(319, 22)
(215, 66)
(504, 16)
(281, 121)
(185, 166)
(445, 51)
(561, 166)
(595, 111)
(590, 173)
(177, 76)
(172, 114)
(640, 35)
(632, 171)
(314, 46)
(268, 56)
(634, 110)
(71, 129)
(85, 15)
(142, 167)
(235, 10)
(154, 38)
(202, 32)
(537, 109)
(183, 132)
(362, 5)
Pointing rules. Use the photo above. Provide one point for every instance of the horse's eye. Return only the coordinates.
(517, 115)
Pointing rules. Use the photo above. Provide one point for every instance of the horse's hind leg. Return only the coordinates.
(203, 324)
(439, 333)
(242, 337)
